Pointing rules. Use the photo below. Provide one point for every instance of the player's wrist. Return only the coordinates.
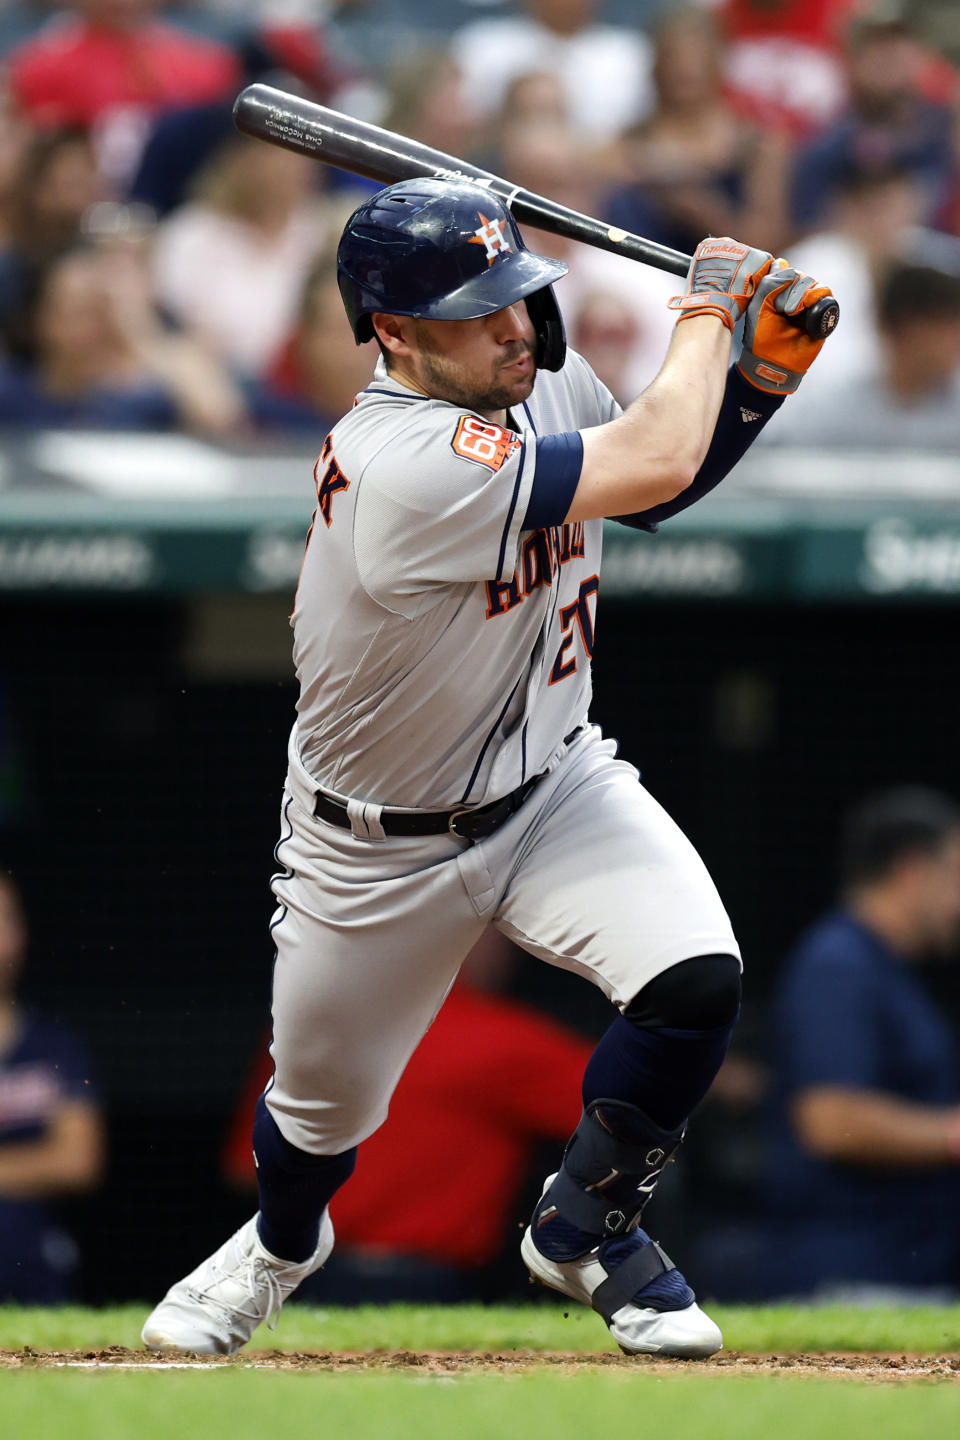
(705, 302)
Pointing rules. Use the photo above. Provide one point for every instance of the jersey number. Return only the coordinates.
(578, 612)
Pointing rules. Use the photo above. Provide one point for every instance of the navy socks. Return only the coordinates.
(295, 1188)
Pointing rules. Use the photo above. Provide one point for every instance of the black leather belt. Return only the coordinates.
(466, 823)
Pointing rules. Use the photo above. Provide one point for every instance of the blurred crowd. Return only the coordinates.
(158, 271)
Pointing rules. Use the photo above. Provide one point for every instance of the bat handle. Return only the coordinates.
(819, 320)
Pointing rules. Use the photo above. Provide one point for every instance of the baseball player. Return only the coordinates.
(443, 773)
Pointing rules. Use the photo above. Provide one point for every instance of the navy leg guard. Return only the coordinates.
(610, 1169)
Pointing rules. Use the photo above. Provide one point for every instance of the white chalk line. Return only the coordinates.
(143, 1365)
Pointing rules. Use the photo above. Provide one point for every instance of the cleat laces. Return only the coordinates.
(256, 1284)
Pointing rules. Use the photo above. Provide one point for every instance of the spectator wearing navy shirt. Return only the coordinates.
(51, 1133)
(864, 1163)
(890, 122)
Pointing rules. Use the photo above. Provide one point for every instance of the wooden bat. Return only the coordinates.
(349, 144)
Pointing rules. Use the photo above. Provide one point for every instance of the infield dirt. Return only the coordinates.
(862, 1367)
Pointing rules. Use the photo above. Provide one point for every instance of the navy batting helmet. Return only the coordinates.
(445, 250)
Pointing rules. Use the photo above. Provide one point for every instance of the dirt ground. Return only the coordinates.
(873, 1368)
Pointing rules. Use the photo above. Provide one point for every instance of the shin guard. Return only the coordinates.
(610, 1169)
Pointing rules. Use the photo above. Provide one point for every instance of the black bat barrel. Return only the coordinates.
(340, 140)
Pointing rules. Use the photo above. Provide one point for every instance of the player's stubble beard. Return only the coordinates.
(447, 379)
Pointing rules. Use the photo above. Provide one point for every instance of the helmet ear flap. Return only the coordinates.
(544, 311)
(361, 325)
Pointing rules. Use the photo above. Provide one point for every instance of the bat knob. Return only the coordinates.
(821, 320)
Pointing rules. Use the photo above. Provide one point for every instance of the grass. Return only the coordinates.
(243, 1403)
(685, 1403)
(928, 1330)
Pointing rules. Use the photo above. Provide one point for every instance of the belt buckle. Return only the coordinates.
(454, 816)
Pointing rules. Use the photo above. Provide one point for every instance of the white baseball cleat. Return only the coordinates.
(685, 1332)
(216, 1308)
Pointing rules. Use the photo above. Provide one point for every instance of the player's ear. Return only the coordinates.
(393, 332)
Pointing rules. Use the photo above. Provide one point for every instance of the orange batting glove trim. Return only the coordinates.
(707, 302)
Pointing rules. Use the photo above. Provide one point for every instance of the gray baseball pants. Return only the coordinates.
(590, 874)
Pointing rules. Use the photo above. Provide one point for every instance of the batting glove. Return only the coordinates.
(776, 353)
(723, 275)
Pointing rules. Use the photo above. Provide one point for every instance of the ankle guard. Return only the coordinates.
(610, 1170)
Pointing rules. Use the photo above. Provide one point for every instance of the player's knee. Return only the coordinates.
(702, 993)
(274, 1153)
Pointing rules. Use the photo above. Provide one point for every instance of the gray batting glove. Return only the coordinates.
(722, 277)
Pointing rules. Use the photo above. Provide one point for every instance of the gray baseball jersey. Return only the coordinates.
(443, 651)
(443, 648)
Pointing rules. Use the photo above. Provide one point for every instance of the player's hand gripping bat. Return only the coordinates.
(349, 144)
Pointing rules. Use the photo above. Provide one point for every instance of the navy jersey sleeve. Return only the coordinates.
(743, 413)
(555, 479)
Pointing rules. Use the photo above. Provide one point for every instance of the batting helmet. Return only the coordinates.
(445, 250)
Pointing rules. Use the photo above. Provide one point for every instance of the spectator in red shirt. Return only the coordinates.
(785, 57)
(114, 67)
(788, 56)
(490, 1079)
(821, 22)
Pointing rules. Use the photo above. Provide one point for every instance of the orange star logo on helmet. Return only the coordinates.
(490, 234)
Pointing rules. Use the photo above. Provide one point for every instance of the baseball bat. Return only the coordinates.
(294, 123)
